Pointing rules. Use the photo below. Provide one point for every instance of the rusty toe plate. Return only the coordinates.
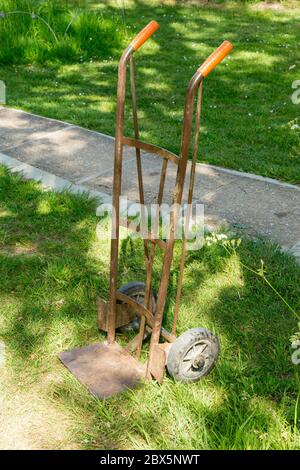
(104, 369)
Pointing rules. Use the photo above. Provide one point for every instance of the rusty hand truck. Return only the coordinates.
(107, 368)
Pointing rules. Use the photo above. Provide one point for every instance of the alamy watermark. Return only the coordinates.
(296, 353)
(296, 95)
(2, 92)
(155, 222)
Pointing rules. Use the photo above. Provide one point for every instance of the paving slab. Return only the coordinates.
(64, 149)
(17, 127)
(260, 206)
(71, 152)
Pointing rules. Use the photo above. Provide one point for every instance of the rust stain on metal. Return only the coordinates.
(105, 369)
(125, 314)
(157, 367)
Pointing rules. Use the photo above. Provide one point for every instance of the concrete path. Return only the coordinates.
(62, 155)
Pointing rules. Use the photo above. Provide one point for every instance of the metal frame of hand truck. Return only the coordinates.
(107, 368)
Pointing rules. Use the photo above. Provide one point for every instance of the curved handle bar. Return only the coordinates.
(143, 35)
(215, 58)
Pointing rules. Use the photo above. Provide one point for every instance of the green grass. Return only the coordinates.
(52, 267)
(58, 31)
(248, 116)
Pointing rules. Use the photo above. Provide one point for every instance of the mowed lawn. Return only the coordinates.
(52, 267)
(249, 120)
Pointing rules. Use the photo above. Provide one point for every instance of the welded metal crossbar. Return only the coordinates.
(164, 153)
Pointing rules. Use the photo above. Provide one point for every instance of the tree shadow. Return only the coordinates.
(249, 91)
(48, 305)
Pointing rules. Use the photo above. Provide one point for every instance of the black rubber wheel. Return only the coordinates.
(136, 290)
(193, 355)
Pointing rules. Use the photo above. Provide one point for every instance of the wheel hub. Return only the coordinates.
(198, 361)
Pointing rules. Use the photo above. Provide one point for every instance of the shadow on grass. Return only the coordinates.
(48, 298)
(247, 111)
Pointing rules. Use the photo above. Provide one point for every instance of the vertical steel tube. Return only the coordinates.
(121, 92)
(136, 132)
(138, 154)
(152, 254)
(177, 196)
(142, 203)
(189, 208)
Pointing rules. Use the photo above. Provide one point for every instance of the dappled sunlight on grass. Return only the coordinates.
(48, 304)
(251, 89)
(258, 57)
(208, 289)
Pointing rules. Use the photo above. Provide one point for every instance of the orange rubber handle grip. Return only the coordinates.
(215, 58)
(143, 35)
